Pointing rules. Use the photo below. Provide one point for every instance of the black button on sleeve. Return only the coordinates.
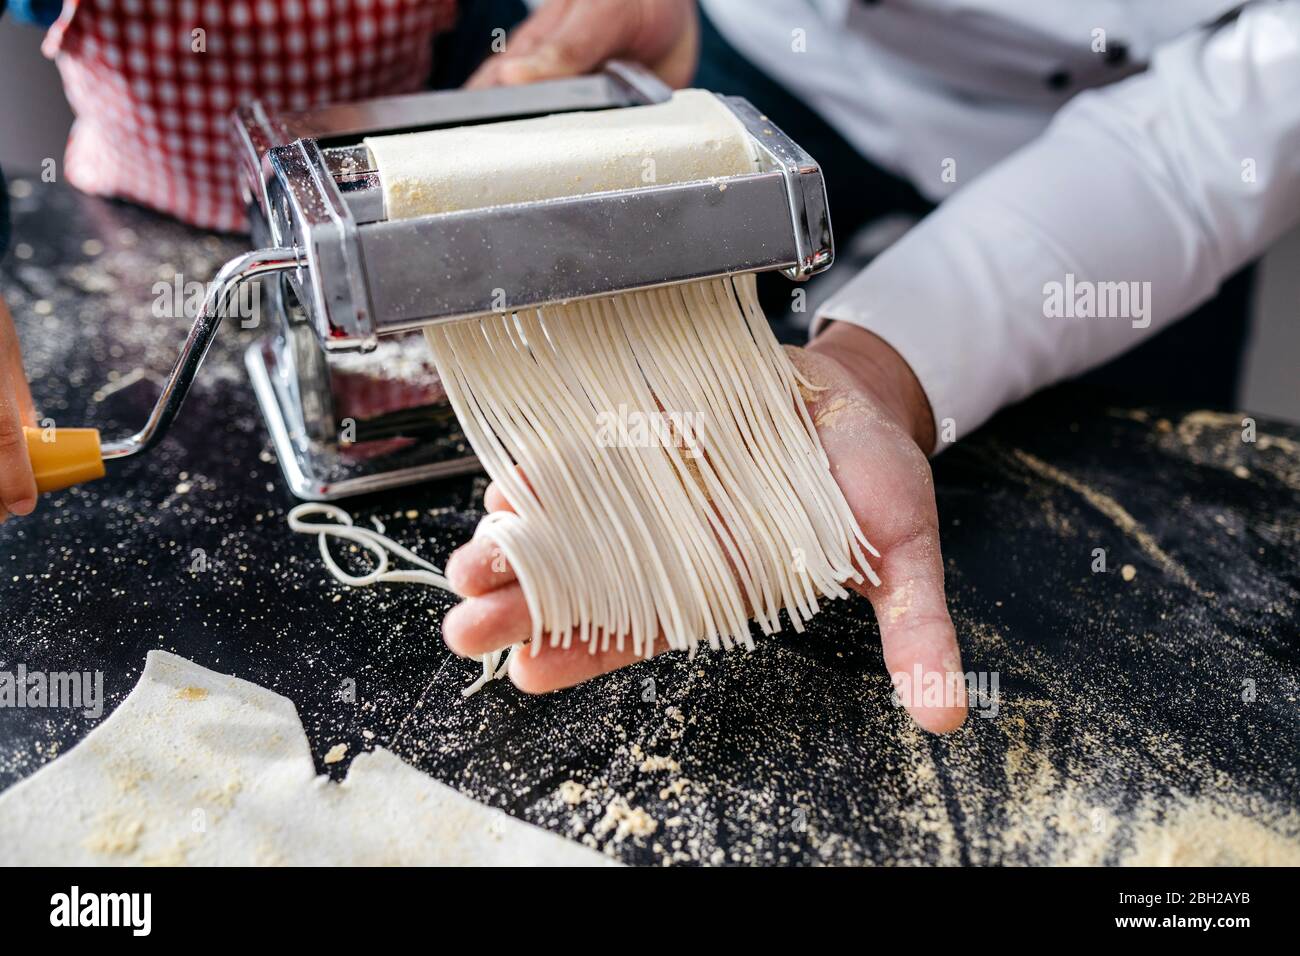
(1117, 54)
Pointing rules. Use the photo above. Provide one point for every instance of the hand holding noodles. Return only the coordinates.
(885, 478)
(626, 546)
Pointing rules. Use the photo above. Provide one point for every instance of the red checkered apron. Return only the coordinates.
(153, 83)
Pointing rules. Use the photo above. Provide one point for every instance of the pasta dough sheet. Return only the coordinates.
(691, 137)
(195, 767)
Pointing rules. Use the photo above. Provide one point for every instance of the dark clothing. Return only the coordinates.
(41, 13)
(458, 52)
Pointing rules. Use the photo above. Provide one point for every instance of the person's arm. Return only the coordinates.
(1175, 177)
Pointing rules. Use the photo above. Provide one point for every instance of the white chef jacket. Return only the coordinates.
(1082, 142)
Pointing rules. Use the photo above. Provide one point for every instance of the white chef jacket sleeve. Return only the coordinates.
(1174, 177)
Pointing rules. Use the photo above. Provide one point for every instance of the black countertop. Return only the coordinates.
(1144, 713)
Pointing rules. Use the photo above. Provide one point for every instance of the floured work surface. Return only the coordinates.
(1121, 734)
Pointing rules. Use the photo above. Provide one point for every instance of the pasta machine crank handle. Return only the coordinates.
(62, 457)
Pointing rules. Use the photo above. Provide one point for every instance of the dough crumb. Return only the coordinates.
(653, 763)
(675, 789)
(192, 693)
(1128, 572)
(115, 837)
(572, 792)
(625, 821)
(1196, 832)
(336, 753)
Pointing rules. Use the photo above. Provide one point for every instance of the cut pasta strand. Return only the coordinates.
(379, 545)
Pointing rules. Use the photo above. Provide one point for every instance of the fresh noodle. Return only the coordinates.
(494, 664)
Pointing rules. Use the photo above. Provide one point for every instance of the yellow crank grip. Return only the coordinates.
(63, 457)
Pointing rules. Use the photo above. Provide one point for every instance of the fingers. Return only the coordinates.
(488, 622)
(494, 499)
(487, 74)
(12, 356)
(563, 38)
(572, 37)
(478, 567)
(555, 669)
(524, 39)
(920, 643)
(536, 30)
(583, 37)
(917, 634)
(492, 622)
(888, 485)
(17, 484)
(885, 477)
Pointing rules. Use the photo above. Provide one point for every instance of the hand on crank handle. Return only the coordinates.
(17, 483)
(874, 440)
(572, 37)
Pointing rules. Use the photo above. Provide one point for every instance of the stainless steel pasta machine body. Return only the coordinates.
(348, 283)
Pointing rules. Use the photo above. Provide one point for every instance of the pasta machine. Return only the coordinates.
(350, 406)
